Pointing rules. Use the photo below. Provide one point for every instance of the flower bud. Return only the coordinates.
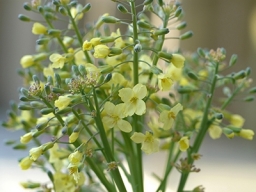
(42, 41)
(37, 104)
(47, 146)
(252, 90)
(27, 6)
(30, 185)
(160, 3)
(178, 12)
(249, 98)
(49, 16)
(27, 61)
(73, 137)
(63, 11)
(186, 35)
(228, 132)
(122, 8)
(137, 48)
(155, 70)
(36, 79)
(181, 25)
(25, 163)
(107, 78)
(41, 126)
(39, 29)
(147, 2)
(246, 134)
(26, 138)
(35, 153)
(248, 71)
(75, 70)
(82, 70)
(86, 8)
(64, 2)
(110, 19)
(107, 39)
(63, 111)
(144, 25)
(57, 79)
(164, 55)
(24, 18)
(192, 75)
(54, 32)
(219, 116)
(24, 107)
(200, 52)
(46, 111)
(161, 31)
(239, 75)
(233, 60)
(106, 69)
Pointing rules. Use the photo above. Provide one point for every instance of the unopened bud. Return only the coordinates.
(200, 52)
(107, 78)
(57, 80)
(36, 79)
(47, 146)
(106, 69)
(248, 71)
(37, 104)
(192, 75)
(63, 111)
(252, 90)
(24, 107)
(63, 11)
(30, 185)
(228, 132)
(186, 35)
(137, 48)
(110, 19)
(155, 70)
(219, 116)
(75, 70)
(249, 98)
(239, 75)
(122, 8)
(147, 2)
(115, 51)
(46, 111)
(161, 31)
(49, 15)
(178, 12)
(82, 70)
(54, 32)
(160, 3)
(42, 41)
(233, 60)
(107, 39)
(24, 18)
(144, 25)
(86, 8)
(165, 55)
(27, 6)
(41, 126)
(181, 25)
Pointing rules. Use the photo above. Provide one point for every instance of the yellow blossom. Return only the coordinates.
(246, 134)
(119, 42)
(87, 46)
(35, 153)
(48, 71)
(101, 51)
(175, 73)
(215, 131)
(62, 102)
(76, 12)
(177, 60)
(164, 82)
(73, 170)
(39, 29)
(150, 143)
(27, 61)
(75, 158)
(56, 155)
(67, 40)
(168, 117)
(64, 2)
(184, 143)
(237, 120)
(114, 117)
(73, 137)
(95, 41)
(25, 163)
(26, 138)
(63, 182)
(57, 60)
(133, 99)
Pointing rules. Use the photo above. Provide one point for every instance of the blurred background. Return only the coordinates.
(227, 165)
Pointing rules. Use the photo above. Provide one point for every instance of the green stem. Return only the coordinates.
(109, 157)
(203, 129)
(78, 34)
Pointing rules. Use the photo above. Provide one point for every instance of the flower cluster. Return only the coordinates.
(105, 98)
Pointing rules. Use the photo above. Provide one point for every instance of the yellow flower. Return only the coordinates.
(87, 46)
(27, 61)
(39, 29)
(177, 60)
(57, 60)
(246, 134)
(25, 163)
(150, 144)
(237, 120)
(76, 12)
(75, 158)
(215, 131)
(168, 117)
(184, 143)
(67, 40)
(119, 42)
(62, 102)
(73, 137)
(26, 138)
(48, 71)
(63, 182)
(133, 99)
(101, 51)
(175, 73)
(164, 82)
(114, 117)
(64, 1)
(35, 153)
(95, 41)
(56, 156)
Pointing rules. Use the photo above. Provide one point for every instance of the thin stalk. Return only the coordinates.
(203, 129)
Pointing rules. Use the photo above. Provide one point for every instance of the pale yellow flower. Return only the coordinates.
(119, 42)
(215, 131)
(237, 120)
(95, 41)
(57, 60)
(101, 51)
(25, 163)
(177, 60)
(114, 117)
(57, 155)
(63, 182)
(27, 61)
(133, 99)
(67, 40)
(165, 82)
(73, 137)
(62, 102)
(184, 143)
(39, 29)
(26, 138)
(76, 12)
(168, 117)
(75, 158)
(87, 46)
(150, 143)
(48, 71)
(35, 153)
(246, 134)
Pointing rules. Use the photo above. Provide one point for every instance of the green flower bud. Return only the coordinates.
(40, 9)
(239, 75)
(56, 2)
(30, 185)
(192, 75)
(50, 80)
(233, 60)
(50, 175)
(200, 52)
(46, 111)
(165, 55)
(54, 32)
(107, 78)
(23, 98)
(75, 70)
(144, 25)
(252, 90)
(73, 3)
(64, 130)
(161, 31)
(137, 48)
(63, 11)
(57, 79)
(248, 71)
(162, 107)
(219, 116)
(20, 147)
(110, 19)
(37, 104)
(181, 25)
(36, 79)
(147, 2)
(58, 90)
(24, 107)
(24, 92)
(160, 3)
(178, 12)
(115, 51)
(186, 89)
(107, 39)
(42, 41)
(155, 70)
(82, 70)
(86, 8)
(106, 69)
(47, 146)
(50, 16)
(249, 98)
(23, 18)
(27, 6)
(41, 126)
(234, 129)
(63, 111)
(186, 35)
(122, 8)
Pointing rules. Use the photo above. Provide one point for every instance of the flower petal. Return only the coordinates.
(138, 137)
